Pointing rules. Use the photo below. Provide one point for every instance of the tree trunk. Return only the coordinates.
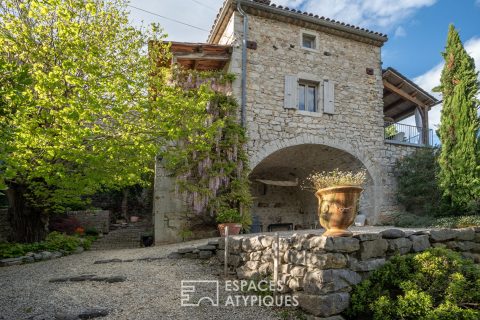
(28, 223)
(125, 204)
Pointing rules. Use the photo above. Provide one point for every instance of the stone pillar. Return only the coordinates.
(169, 209)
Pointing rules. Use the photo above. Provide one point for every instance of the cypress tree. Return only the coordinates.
(459, 161)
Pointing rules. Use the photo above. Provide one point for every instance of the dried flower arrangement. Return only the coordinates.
(319, 180)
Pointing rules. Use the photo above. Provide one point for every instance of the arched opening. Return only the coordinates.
(280, 201)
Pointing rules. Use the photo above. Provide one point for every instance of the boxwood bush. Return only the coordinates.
(435, 284)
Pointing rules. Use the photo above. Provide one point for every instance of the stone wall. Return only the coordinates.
(98, 219)
(322, 270)
(5, 228)
(393, 153)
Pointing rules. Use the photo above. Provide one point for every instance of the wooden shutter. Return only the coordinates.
(291, 92)
(328, 97)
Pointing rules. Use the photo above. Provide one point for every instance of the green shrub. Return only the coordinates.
(435, 284)
(418, 190)
(55, 241)
(457, 222)
(86, 242)
(409, 220)
(11, 250)
(229, 216)
(91, 231)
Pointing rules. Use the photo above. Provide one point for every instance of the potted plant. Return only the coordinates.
(147, 239)
(231, 218)
(338, 194)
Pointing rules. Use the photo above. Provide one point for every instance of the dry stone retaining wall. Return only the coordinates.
(322, 270)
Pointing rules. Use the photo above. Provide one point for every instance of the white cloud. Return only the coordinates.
(400, 32)
(383, 15)
(431, 78)
(477, 2)
(379, 15)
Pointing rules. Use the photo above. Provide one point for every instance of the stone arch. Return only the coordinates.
(265, 150)
(372, 167)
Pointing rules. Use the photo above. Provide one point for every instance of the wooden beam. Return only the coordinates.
(404, 114)
(201, 56)
(386, 93)
(403, 94)
(393, 105)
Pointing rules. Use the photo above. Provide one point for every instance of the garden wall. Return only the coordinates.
(5, 228)
(322, 270)
(98, 219)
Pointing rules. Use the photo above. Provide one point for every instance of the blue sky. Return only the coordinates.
(417, 29)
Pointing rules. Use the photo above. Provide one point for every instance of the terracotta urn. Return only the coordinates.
(233, 228)
(337, 209)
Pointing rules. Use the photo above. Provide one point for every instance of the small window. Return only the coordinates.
(307, 96)
(308, 41)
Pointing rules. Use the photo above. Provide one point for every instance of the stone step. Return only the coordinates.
(121, 238)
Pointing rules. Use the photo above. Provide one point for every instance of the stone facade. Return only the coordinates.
(98, 219)
(322, 270)
(288, 144)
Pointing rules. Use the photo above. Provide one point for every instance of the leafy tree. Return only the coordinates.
(459, 160)
(77, 119)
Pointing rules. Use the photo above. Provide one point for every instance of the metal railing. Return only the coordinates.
(407, 134)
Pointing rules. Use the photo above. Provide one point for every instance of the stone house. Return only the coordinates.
(313, 96)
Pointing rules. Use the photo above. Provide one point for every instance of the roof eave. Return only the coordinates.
(344, 29)
(433, 101)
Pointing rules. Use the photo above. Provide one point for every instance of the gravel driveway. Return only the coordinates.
(151, 290)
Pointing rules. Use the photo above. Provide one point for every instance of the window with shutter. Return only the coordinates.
(329, 97)
(291, 92)
(307, 96)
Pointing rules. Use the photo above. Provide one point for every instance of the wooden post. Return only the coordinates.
(426, 136)
(276, 258)
(225, 267)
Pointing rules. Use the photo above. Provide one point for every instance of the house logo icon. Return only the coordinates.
(196, 292)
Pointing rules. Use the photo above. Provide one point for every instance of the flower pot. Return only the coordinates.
(233, 228)
(337, 209)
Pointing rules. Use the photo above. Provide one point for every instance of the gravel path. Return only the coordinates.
(151, 291)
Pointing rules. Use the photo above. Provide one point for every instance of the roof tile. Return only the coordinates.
(268, 3)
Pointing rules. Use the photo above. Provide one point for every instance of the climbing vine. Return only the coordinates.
(205, 148)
